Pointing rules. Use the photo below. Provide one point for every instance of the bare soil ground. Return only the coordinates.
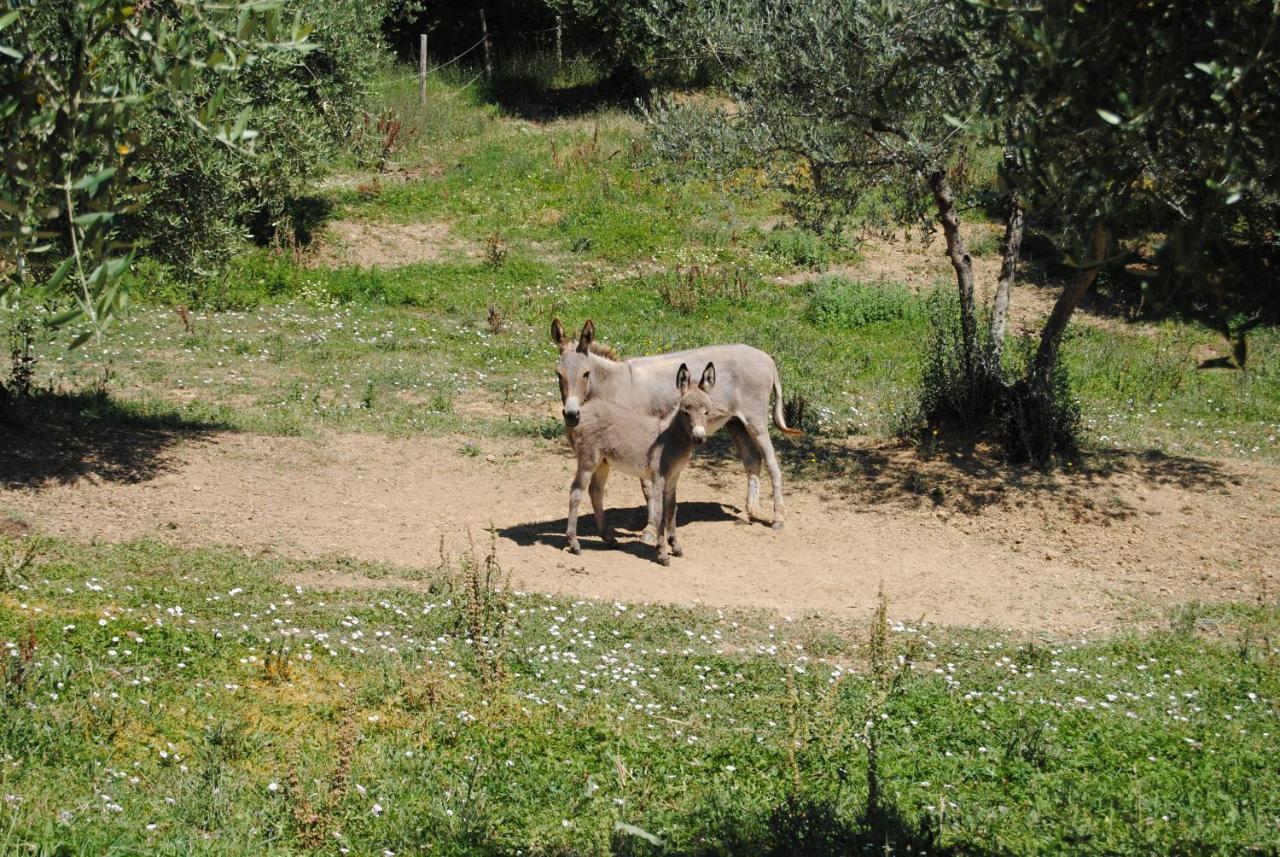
(355, 243)
(952, 539)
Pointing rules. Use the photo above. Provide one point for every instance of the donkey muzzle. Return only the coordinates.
(699, 435)
(571, 417)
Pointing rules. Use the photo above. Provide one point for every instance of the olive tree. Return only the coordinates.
(865, 96)
(1140, 118)
(74, 76)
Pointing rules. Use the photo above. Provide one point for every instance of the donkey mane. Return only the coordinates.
(600, 350)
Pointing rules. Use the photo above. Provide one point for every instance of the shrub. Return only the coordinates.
(954, 389)
(693, 139)
(1039, 421)
(1033, 421)
(798, 247)
(203, 198)
(838, 302)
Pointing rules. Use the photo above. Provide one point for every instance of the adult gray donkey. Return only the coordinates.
(746, 377)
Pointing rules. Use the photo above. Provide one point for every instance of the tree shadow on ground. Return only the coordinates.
(967, 475)
(54, 437)
(295, 226)
(627, 524)
(1115, 294)
(805, 827)
(533, 98)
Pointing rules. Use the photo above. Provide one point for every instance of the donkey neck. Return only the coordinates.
(611, 379)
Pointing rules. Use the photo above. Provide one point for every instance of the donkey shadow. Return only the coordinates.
(626, 523)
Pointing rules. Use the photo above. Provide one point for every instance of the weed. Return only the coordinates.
(383, 135)
(188, 326)
(795, 410)
(485, 611)
(956, 389)
(1040, 419)
(686, 289)
(16, 556)
(889, 677)
(315, 824)
(1026, 742)
(495, 249)
(441, 402)
(1183, 619)
(986, 243)
(275, 662)
(19, 664)
(494, 318)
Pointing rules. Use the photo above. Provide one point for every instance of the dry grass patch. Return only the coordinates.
(359, 244)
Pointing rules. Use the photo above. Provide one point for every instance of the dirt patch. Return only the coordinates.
(358, 244)
(13, 528)
(1127, 539)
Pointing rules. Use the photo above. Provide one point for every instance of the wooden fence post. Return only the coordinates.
(559, 54)
(488, 59)
(422, 69)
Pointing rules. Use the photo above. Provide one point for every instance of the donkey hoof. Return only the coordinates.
(777, 525)
(575, 548)
(676, 550)
(664, 560)
(610, 540)
(649, 537)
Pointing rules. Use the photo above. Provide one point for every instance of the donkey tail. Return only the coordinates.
(779, 418)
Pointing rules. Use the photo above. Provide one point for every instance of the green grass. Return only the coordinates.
(168, 691)
(836, 302)
(411, 351)
(579, 185)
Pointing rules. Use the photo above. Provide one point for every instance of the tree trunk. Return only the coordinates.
(1051, 336)
(1008, 263)
(1008, 273)
(961, 261)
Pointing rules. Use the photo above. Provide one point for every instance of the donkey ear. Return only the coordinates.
(708, 378)
(557, 333)
(682, 379)
(587, 336)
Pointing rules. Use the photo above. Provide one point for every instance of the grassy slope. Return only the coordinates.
(170, 690)
(590, 231)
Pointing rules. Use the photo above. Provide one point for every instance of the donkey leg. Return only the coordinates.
(596, 490)
(580, 482)
(650, 534)
(669, 520)
(750, 456)
(653, 532)
(760, 431)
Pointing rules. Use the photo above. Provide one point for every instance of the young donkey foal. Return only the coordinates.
(654, 449)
